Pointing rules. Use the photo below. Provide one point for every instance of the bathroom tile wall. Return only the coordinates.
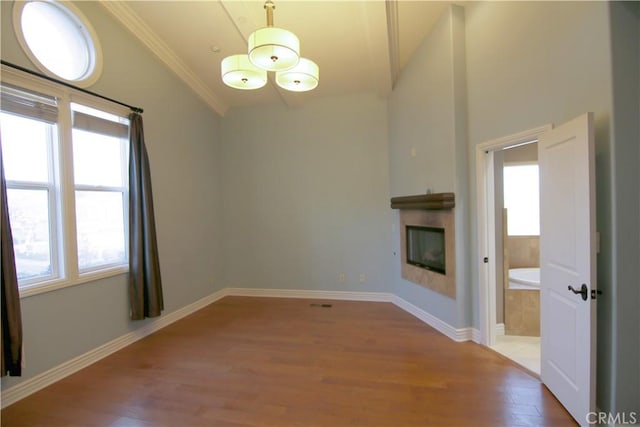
(522, 307)
(523, 251)
(522, 313)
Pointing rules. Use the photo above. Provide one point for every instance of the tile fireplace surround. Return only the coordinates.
(429, 210)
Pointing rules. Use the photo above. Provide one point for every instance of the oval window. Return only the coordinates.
(58, 40)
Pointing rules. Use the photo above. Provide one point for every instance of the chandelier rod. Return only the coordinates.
(269, 6)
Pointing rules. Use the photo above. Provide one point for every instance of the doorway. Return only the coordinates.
(517, 254)
(568, 244)
(493, 235)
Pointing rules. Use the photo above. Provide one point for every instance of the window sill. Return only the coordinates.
(56, 284)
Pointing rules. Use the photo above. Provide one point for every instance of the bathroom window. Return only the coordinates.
(522, 199)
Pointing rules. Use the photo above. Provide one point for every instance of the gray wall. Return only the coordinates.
(427, 115)
(182, 137)
(306, 195)
(625, 298)
(532, 63)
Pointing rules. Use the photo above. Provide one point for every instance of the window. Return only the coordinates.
(99, 170)
(522, 200)
(67, 188)
(29, 135)
(59, 40)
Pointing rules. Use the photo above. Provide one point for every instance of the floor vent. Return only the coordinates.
(321, 305)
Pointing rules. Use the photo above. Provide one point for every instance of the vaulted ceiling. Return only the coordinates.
(359, 45)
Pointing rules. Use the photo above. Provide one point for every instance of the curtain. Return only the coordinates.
(11, 316)
(145, 284)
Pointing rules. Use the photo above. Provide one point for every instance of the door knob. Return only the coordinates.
(583, 291)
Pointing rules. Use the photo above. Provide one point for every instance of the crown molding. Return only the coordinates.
(393, 34)
(132, 22)
(376, 15)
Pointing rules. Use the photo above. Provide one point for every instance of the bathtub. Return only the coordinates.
(524, 278)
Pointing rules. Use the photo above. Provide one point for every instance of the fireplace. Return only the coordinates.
(425, 248)
(427, 241)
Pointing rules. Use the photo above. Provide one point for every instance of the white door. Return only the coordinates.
(568, 259)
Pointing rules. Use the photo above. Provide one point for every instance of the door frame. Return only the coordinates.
(485, 223)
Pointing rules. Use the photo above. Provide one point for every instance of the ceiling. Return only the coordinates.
(359, 45)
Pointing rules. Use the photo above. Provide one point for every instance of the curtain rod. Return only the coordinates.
(51, 79)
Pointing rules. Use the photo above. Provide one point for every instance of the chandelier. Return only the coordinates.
(271, 49)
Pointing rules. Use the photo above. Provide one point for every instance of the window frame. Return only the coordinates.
(53, 202)
(123, 190)
(95, 50)
(64, 242)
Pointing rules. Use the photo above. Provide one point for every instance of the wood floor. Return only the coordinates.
(291, 362)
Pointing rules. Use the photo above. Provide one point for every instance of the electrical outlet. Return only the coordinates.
(342, 278)
(363, 278)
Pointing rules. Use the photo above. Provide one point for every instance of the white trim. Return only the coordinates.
(514, 139)
(458, 335)
(65, 282)
(34, 384)
(132, 22)
(294, 293)
(486, 240)
(62, 208)
(499, 329)
(485, 245)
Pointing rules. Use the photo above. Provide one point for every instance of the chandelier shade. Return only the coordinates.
(301, 78)
(271, 49)
(274, 49)
(238, 72)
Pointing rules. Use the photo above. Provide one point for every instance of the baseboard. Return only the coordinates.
(475, 335)
(40, 381)
(499, 328)
(459, 335)
(32, 385)
(311, 294)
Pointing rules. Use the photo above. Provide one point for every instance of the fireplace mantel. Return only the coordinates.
(429, 210)
(434, 201)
